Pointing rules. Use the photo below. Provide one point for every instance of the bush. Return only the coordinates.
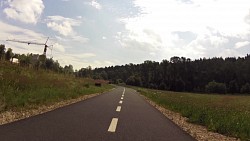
(130, 80)
(215, 87)
(162, 86)
(245, 89)
(134, 81)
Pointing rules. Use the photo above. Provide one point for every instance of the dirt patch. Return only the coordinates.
(10, 116)
(200, 133)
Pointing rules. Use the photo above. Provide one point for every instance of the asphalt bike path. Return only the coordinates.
(119, 115)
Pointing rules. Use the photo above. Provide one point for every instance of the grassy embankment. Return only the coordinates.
(226, 114)
(26, 88)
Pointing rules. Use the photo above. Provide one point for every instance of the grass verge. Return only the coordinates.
(25, 87)
(225, 114)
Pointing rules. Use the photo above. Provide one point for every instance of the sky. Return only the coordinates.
(101, 33)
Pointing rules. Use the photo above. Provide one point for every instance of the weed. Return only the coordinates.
(25, 87)
(228, 115)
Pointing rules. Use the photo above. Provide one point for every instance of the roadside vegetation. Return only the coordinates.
(225, 114)
(25, 87)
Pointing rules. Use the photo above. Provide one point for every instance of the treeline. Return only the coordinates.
(34, 61)
(213, 75)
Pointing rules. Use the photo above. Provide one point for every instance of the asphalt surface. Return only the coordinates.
(98, 119)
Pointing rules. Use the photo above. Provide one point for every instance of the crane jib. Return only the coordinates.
(34, 43)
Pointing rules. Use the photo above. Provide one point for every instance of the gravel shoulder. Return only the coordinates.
(199, 132)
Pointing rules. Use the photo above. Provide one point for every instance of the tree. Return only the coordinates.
(245, 89)
(24, 60)
(162, 86)
(2, 51)
(130, 80)
(233, 87)
(9, 54)
(49, 63)
(68, 69)
(180, 85)
(87, 72)
(183, 74)
(56, 66)
(104, 75)
(214, 87)
(175, 59)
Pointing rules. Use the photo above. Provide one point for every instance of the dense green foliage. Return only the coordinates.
(28, 87)
(229, 115)
(214, 87)
(34, 61)
(229, 75)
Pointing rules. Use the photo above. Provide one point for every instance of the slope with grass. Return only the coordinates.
(22, 87)
(226, 114)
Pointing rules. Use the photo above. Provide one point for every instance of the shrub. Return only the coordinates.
(215, 87)
(245, 89)
(162, 86)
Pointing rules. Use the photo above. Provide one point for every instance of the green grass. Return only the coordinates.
(226, 114)
(25, 87)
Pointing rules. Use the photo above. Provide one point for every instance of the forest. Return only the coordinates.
(213, 75)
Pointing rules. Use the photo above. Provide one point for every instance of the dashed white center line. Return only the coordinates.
(123, 91)
(113, 124)
(118, 109)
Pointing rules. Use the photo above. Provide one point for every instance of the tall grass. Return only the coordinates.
(25, 87)
(226, 114)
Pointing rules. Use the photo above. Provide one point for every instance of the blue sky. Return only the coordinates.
(101, 33)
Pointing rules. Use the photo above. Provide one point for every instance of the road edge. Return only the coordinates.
(11, 115)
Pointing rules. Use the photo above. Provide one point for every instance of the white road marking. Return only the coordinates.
(113, 124)
(120, 101)
(123, 91)
(118, 109)
(121, 97)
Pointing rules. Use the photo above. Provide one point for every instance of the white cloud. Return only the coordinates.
(79, 17)
(65, 27)
(84, 55)
(81, 60)
(80, 39)
(212, 25)
(2, 3)
(186, 1)
(152, 53)
(247, 18)
(146, 40)
(58, 47)
(104, 38)
(26, 11)
(98, 63)
(241, 44)
(95, 4)
(76, 38)
(62, 25)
